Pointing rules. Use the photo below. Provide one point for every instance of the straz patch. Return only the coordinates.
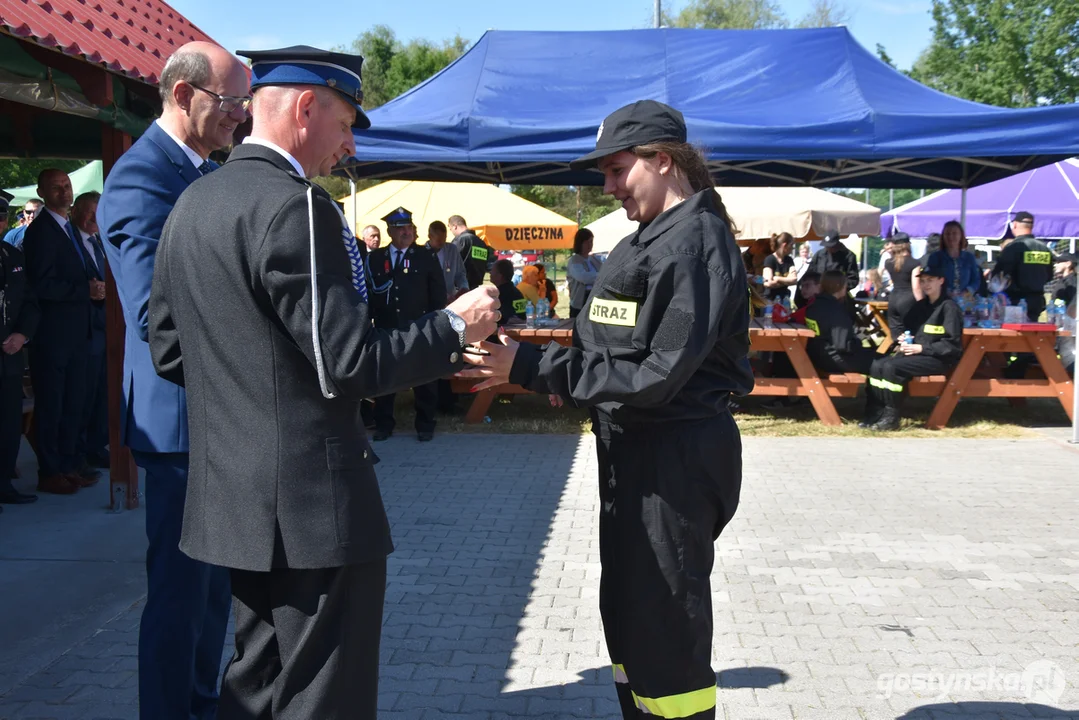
(613, 312)
(519, 306)
(1037, 257)
(812, 325)
(934, 329)
(479, 253)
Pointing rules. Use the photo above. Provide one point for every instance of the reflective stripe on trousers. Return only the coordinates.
(672, 706)
(885, 385)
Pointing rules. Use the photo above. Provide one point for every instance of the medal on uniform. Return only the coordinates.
(387, 264)
(406, 266)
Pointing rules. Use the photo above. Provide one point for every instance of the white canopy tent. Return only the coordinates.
(806, 213)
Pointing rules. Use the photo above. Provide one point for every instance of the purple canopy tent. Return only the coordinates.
(1051, 193)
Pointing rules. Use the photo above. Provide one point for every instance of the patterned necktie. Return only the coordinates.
(70, 229)
(206, 167)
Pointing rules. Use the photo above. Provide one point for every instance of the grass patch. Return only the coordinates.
(973, 418)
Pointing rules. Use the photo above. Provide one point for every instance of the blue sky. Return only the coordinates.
(902, 26)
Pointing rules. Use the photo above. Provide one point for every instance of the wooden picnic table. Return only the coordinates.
(791, 339)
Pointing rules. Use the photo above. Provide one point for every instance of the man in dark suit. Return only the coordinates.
(475, 253)
(56, 265)
(18, 323)
(408, 284)
(271, 334)
(94, 431)
(204, 92)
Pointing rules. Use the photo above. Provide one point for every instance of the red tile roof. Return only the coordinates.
(130, 37)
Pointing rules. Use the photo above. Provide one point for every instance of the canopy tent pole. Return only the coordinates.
(352, 190)
(1075, 394)
(963, 200)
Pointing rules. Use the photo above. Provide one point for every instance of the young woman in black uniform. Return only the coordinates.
(658, 350)
(900, 266)
(937, 325)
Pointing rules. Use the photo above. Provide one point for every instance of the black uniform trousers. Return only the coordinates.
(426, 401)
(58, 374)
(94, 434)
(306, 644)
(890, 374)
(666, 492)
(10, 421)
(899, 304)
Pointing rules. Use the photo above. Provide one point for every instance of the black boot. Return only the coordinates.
(873, 412)
(11, 496)
(889, 420)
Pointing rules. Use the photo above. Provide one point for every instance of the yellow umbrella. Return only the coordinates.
(504, 220)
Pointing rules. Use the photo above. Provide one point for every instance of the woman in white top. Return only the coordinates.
(582, 269)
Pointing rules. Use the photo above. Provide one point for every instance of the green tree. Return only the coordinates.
(391, 67)
(565, 201)
(729, 14)
(884, 56)
(825, 13)
(1011, 53)
(17, 173)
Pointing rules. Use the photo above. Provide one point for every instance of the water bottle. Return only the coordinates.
(981, 312)
(544, 310)
(906, 338)
(1023, 307)
(766, 318)
(530, 314)
(1060, 312)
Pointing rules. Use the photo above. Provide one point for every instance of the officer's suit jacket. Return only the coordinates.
(280, 476)
(18, 307)
(415, 290)
(61, 282)
(96, 270)
(140, 191)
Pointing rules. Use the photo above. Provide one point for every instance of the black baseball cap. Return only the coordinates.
(1067, 257)
(639, 123)
(931, 266)
(831, 239)
(1023, 217)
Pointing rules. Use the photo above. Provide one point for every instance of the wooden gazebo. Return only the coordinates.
(79, 80)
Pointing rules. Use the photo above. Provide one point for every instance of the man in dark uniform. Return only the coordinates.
(1028, 262)
(18, 322)
(834, 255)
(476, 254)
(835, 347)
(271, 334)
(511, 301)
(408, 284)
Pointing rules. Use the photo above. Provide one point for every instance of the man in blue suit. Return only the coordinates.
(94, 434)
(56, 268)
(204, 91)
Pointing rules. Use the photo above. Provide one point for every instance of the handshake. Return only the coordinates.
(491, 362)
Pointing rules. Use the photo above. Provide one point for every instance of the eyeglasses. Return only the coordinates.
(226, 103)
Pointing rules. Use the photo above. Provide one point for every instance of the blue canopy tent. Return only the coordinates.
(770, 107)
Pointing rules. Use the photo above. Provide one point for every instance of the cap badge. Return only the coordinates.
(331, 82)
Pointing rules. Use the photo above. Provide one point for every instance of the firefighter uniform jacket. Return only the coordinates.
(18, 307)
(664, 334)
(477, 255)
(938, 328)
(259, 327)
(406, 293)
(835, 341)
(1029, 263)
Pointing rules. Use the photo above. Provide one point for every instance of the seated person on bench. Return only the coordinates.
(808, 289)
(835, 347)
(937, 325)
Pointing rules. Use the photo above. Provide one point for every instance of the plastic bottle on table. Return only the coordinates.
(530, 314)
(1023, 307)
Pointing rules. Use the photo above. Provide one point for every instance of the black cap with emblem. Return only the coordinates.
(831, 239)
(400, 217)
(305, 65)
(639, 123)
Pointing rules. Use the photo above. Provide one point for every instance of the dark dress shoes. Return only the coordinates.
(425, 436)
(79, 480)
(11, 496)
(56, 484)
(381, 435)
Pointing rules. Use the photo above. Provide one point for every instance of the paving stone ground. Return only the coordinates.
(891, 578)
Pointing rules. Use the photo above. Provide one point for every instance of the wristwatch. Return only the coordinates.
(457, 324)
